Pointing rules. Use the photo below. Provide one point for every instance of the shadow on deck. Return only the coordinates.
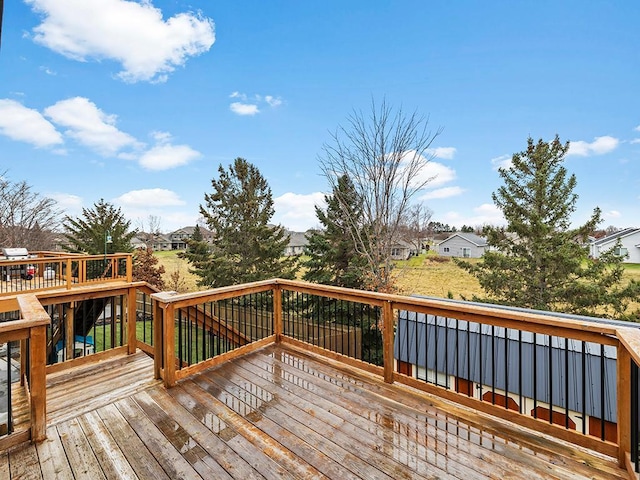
(277, 413)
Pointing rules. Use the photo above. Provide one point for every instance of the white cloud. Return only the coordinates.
(485, 214)
(611, 214)
(70, 204)
(150, 197)
(297, 212)
(251, 105)
(445, 192)
(503, 161)
(89, 125)
(599, 146)
(133, 34)
(446, 153)
(244, 108)
(440, 174)
(165, 156)
(273, 101)
(27, 125)
(635, 140)
(637, 128)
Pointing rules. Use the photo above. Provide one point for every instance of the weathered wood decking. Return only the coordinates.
(277, 413)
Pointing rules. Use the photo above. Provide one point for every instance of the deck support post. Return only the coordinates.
(277, 313)
(623, 370)
(169, 328)
(38, 382)
(387, 340)
(132, 307)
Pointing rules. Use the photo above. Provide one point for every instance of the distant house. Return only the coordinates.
(465, 245)
(179, 238)
(629, 244)
(297, 244)
(137, 242)
(402, 250)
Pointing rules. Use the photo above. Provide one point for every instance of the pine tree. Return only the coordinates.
(246, 247)
(101, 229)
(538, 261)
(333, 259)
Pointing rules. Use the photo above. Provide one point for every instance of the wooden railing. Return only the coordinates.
(48, 271)
(27, 334)
(359, 328)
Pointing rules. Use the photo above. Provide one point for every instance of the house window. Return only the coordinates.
(621, 251)
(445, 249)
(466, 252)
(395, 252)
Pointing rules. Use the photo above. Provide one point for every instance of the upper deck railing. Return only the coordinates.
(53, 270)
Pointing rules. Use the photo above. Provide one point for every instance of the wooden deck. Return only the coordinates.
(277, 413)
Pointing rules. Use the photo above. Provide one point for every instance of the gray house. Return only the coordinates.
(629, 244)
(297, 243)
(465, 245)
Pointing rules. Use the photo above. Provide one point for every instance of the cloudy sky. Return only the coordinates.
(140, 102)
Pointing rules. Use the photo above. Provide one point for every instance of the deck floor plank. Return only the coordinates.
(301, 429)
(422, 435)
(203, 430)
(265, 454)
(82, 460)
(191, 450)
(24, 464)
(278, 413)
(171, 460)
(113, 461)
(142, 461)
(52, 457)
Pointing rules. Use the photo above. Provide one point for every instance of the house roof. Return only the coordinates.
(298, 239)
(616, 235)
(477, 240)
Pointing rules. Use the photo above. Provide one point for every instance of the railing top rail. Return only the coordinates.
(60, 258)
(220, 293)
(31, 312)
(630, 338)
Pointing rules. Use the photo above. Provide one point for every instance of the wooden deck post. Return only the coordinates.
(129, 268)
(69, 334)
(277, 313)
(132, 306)
(38, 382)
(387, 340)
(69, 274)
(623, 369)
(169, 346)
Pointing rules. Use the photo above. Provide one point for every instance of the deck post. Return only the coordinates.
(169, 346)
(387, 340)
(38, 382)
(132, 306)
(158, 349)
(623, 369)
(69, 274)
(129, 268)
(277, 313)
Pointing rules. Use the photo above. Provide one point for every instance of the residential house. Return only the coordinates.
(297, 244)
(402, 250)
(629, 245)
(180, 238)
(465, 245)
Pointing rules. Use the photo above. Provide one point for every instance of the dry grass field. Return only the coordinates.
(428, 275)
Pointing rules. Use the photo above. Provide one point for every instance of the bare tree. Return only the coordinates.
(384, 153)
(151, 232)
(27, 219)
(415, 227)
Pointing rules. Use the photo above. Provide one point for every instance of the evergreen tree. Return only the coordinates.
(246, 248)
(538, 260)
(146, 268)
(101, 229)
(333, 259)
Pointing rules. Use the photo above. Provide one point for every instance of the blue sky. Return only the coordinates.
(140, 102)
